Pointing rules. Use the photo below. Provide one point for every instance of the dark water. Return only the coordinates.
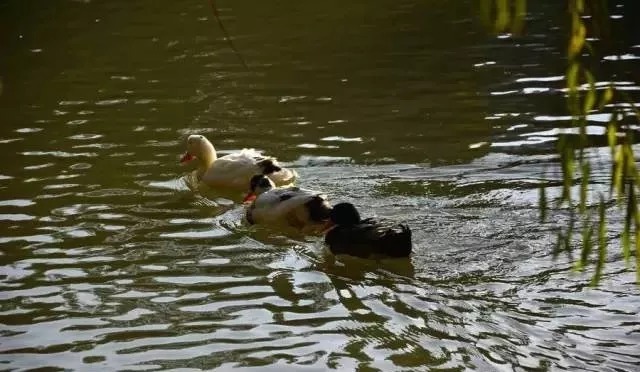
(407, 108)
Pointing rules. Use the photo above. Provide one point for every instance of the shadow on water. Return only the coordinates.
(407, 109)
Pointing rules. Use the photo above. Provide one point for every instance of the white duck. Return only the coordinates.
(292, 206)
(233, 170)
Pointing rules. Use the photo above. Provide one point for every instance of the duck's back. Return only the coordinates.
(290, 205)
(236, 169)
(371, 237)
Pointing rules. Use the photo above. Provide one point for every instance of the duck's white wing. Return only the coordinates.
(236, 169)
(283, 177)
(277, 205)
(233, 170)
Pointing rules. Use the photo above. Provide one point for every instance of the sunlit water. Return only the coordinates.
(408, 109)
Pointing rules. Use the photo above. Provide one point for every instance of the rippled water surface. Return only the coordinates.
(407, 108)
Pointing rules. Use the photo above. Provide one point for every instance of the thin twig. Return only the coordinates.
(216, 14)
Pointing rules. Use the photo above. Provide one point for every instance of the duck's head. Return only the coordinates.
(199, 147)
(344, 214)
(258, 185)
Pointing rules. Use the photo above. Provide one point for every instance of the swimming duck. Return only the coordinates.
(363, 238)
(233, 170)
(299, 208)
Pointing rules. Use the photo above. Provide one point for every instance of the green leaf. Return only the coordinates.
(572, 76)
(602, 243)
(590, 99)
(637, 252)
(629, 216)
(618, 165)
(502, 15)
(519, 14)
(568, 168)
(584, 186)
(568, 236)
(573, 100)
(542, 203)
(560, 241)
(606, 97)
(578, 38)
(612, 136)
(485, 11)
(587, 245)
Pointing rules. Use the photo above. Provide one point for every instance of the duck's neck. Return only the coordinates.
(207, 157)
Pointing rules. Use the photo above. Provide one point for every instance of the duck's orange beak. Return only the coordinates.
(327, 226)
(249, 198)
(186, 158)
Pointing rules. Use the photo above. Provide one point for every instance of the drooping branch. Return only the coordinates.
(216, 15)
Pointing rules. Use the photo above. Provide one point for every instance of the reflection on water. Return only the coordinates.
(407, 109)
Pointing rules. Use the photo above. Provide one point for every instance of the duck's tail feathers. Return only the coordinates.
(318, 208)
(268, 166)
(398, 240)
(284, 177)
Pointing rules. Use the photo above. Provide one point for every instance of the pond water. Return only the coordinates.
(409, 109)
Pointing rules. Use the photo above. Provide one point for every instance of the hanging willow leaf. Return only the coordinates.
(572, 76)
(573, 100)
(629, 216)
(579, 5)
(519, 15)
(577, 39)
(606, 97)
(584, 186)
(602, 243)
(568, 168)
(485, 12)
(625, 179)
(612, 137)
(629, 160)
(542, 203)
(568, 247)
(590, 99)
(587, 245)
(559, 247)
(637, 248)
(502, 15)
(618, 165)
